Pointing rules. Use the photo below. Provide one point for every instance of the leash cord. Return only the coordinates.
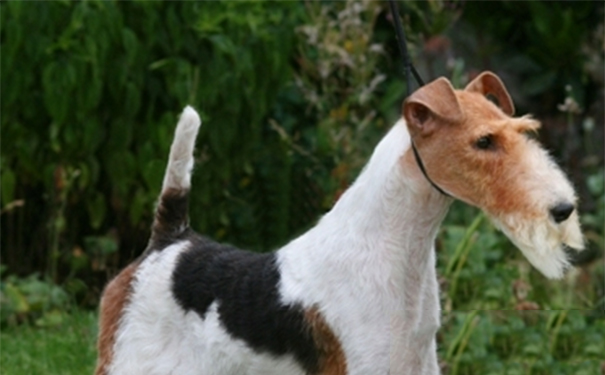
(408, 68)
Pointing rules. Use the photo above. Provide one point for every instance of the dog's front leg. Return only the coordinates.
(413, 342)
(414, 348)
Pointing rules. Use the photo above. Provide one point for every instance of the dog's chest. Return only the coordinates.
(364, 296)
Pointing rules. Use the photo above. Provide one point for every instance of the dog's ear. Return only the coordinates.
(430, 104)
(488, 84)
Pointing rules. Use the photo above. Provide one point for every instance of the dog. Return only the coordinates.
(357, 294)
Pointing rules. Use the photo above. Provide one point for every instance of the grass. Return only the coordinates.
(66, 349)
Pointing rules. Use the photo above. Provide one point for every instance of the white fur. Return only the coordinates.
(180, 161)
(540, 239)
(156, 337)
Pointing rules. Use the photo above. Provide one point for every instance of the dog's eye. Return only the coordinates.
(485, 143)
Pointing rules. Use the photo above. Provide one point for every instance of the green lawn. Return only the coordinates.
(66, 349)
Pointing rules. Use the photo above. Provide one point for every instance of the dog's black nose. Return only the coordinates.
(561, 211)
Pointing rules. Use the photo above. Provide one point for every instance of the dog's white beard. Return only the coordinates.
(543, 242)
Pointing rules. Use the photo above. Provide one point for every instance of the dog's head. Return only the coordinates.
(476, 151)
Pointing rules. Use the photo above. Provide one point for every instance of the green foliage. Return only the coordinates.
(500, 316)
(105, 83)
(543, 49)
(340, 78)
(568, 342)
(508, 330)
(593, 221)
(32, 300)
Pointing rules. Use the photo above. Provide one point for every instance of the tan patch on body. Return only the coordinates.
(115, 297)
(331, 357)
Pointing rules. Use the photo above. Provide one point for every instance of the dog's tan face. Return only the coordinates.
(474, 150)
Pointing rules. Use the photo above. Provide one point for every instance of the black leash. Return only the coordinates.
(408, 68)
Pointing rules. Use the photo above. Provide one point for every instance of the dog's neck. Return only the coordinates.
(391, 201)
(383, 226)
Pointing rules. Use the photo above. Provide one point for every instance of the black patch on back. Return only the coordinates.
(245, 286)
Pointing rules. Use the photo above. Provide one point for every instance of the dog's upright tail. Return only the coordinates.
(171, 214)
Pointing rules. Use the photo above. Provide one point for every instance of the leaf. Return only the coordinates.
(138, 205)
(159, 64)
(539, 83)
(130, 42)
(100, 245)
(74, 286)
(7, 184)
(132, 99)
(595, 183)
(223, 44)
(153, 172)
(16, 299)
(51, 318)
(58, 81)
(83, 180)
(96, 210)
(120, 167)
(395, 93)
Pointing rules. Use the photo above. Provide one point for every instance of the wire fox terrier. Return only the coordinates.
(357, 294)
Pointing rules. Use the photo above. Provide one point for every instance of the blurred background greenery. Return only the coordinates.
(293, 95)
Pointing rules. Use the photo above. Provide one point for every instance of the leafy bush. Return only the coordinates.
(340, 77)
(500, 316)
(566, 342)
(32, 300)
(91, 123)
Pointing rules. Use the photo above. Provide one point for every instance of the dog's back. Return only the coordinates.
(189, 305)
